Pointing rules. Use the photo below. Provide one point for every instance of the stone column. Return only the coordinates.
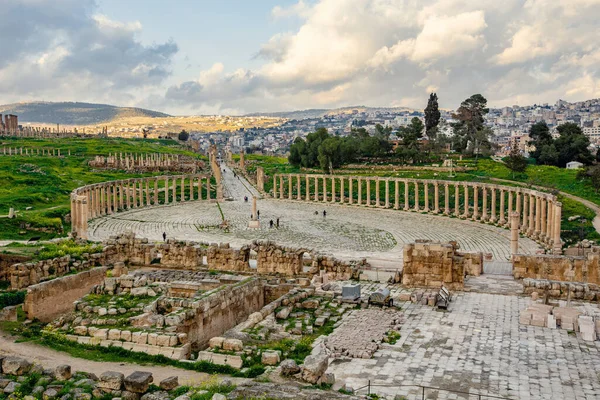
(538, 217)
(147, 181)
(446, 198)
(510, 206)
(525, 214)
(134, 192)
(436, 198)
(74, 210)
(307, 188)
(299, 184)
(115, 203)
(518, 205)
(543, 219)
(182, 188)
(208, 188)
(475, 202)
(377, 202)
(484, 212)
(550, 227)
(350, 190)
(426, 193)
(121, 195)
(342, 194)
(333, 189)
(387, 193)
(466, 206)
(456, 200)
(368, 191)
(316, 188)
(166, 191)
(281, 187)
(493, 219)
(417, 196)
(290, 187)
(260, 178)
(502, 220)
(83, 221)
(191, 178)
(108, 194)
(275, 186)
(396, 194)
(556, 242)
(532, 202)
(359, 199)
(406, 195)
(324, 188)
(514, 232)
(156, 191)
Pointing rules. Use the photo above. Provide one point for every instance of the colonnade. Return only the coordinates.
(539, 213)
(104, 198)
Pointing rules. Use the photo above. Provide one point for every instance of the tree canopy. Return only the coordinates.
(571, 145)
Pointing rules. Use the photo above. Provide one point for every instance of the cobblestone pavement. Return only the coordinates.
(478, 346)
(347, 232)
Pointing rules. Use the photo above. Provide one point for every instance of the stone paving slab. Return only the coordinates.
(478, 345)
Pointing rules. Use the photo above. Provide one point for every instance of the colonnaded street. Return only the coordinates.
(346, 231)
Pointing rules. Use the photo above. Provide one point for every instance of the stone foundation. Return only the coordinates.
(430, 264)
(558, 268)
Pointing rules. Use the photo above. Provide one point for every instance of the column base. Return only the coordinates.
(254, 224)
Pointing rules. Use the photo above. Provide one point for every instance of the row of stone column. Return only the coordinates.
(540, 213)
(109, 197)
(13, 151)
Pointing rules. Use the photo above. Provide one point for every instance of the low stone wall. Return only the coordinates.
(561, 289)
(558, 268)
(431, 264)
(47, 300)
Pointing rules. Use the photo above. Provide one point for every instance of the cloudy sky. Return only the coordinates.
(240, 56)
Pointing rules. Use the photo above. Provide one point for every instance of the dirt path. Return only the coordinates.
(49, 358)
(592, 206)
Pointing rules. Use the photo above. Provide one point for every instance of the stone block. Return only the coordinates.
(233, 345)
(114, 334)
(152, 338)
(169, 383)
(138, 382)
(15, 366)
(126, 336)
(216, 342)
(62, 372)
(81, 330)
(270, 358)
(110, 380)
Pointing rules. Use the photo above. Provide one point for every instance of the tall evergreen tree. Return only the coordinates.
(432, 116)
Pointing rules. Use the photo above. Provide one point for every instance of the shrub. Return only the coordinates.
(12, 298)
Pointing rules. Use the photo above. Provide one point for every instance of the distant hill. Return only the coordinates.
(318, 112)
(70, 113)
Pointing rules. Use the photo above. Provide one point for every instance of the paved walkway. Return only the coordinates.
(478, 345)
(346, 231)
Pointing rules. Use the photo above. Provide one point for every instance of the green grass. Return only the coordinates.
(45, 183)
(54, 249)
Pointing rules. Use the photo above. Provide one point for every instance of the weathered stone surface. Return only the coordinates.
(216, 342)
(233, 345)
(270, 358)
(160, 395)
(314, 367)
(110, 380)
(50, 394)
(11, 387)
(138, 382)
(62, 372)
(169, 383)
(15, 366)
(311, 304)
(256, 390)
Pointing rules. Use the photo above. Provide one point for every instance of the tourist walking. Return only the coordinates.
(271, 224)
(277, 223)
(164, 236)
(257, 214)
(324, 213)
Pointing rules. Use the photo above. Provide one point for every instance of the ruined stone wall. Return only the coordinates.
(223, 258)
(47, 300)
(274, 259)
(23, 275)
(6, 261)
(431, 264)
(558, 268)
(222, 311)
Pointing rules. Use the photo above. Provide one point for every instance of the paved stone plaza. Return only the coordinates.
(479, 345)
(347, 232)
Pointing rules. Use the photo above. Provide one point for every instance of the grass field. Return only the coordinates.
(43, 183)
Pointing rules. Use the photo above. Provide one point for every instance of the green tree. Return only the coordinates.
(432, 116)
(515, 161)
(540, 136)
(548, 155)
(572, 145)
(330, 155)
(469, 131)
(410, 149)
(183, 136)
